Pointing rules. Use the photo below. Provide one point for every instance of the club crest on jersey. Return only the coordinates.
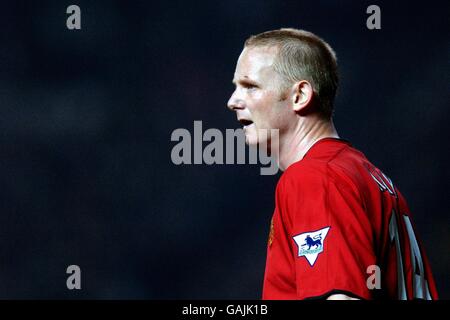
(271, 232)
(310, 244)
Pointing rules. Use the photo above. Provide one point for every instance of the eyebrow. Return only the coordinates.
(246, 80)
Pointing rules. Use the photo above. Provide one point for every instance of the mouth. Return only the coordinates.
(245, 122)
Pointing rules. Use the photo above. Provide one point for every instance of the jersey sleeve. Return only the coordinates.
(331, 236)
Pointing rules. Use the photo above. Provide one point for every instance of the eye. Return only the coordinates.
(248, 85)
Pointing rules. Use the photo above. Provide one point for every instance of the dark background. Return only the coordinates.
(86, 176)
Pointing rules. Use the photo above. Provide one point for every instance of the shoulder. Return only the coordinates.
(311, 179)
(308, 173)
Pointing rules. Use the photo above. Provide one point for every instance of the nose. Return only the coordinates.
(235, 103)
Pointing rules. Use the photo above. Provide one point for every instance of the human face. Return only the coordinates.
(257, 99)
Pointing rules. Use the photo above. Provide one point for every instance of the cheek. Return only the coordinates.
(277, 116)
(262, 109)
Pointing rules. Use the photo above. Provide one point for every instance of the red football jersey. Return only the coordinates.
(341, 226)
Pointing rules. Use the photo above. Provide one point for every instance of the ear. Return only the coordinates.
(302, 95)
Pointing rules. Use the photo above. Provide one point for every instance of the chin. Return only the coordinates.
(251, 140)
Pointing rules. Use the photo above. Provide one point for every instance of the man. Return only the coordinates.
(340, 230)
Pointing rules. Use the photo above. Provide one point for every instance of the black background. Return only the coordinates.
(86, 118)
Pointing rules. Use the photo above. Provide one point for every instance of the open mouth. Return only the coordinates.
(245, 122)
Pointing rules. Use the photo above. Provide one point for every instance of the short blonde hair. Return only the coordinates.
(303, 56)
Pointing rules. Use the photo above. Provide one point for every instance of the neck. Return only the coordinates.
(297, 141)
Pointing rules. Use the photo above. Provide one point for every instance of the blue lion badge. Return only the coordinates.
(317, 242)
(310, 244)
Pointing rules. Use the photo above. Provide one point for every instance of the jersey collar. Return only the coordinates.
(317, 145)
